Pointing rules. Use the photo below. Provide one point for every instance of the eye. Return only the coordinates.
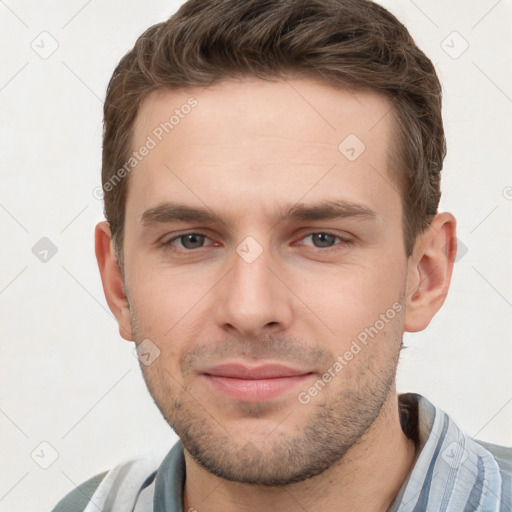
(193, 240)
(189, 241)
(323, 240)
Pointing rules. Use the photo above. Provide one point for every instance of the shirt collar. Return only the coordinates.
(449, 467)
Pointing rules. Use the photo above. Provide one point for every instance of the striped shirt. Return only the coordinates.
(451, 473)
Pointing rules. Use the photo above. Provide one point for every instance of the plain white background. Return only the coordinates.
(67, 378)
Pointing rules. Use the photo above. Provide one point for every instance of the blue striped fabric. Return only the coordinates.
(451, 473)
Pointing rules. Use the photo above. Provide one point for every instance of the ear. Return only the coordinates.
(429, 272)
(112, 279)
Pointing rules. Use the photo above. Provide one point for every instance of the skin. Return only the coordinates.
(249, 149)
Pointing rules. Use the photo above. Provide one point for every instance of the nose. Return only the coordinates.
(253, 299)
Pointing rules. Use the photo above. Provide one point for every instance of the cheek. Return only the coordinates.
(167, 302)
(353, 299)
(175, 305)
(366, 314)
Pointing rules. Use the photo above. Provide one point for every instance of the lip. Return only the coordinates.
(254, 384)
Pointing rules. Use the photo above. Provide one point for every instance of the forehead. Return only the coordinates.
(266, 137)
(304, 106)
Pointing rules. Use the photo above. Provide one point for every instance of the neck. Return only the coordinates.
(367, 478)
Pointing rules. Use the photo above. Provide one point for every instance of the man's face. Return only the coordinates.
(256, 305)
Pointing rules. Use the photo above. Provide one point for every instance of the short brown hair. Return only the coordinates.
(345, 43)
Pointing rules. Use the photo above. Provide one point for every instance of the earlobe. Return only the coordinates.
(112, 279)
(430, 271)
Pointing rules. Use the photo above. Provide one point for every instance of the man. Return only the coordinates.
(272, 176)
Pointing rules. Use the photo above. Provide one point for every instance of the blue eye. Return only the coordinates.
(188, 241)
(323, 239)
(193, 240)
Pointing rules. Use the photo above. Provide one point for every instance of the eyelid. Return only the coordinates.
(343, 239)
(164, 241)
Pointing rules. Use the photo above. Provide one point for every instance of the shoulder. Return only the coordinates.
(77, 499)
(503, 456)
(121, 484)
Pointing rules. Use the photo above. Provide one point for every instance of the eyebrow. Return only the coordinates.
(169, 212)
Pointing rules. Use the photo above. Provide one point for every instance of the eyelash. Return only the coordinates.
(344, 241)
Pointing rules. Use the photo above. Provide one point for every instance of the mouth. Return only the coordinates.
(254, 384)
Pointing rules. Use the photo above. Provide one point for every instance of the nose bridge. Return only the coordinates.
(252, 296)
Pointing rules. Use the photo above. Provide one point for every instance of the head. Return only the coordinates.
(272, 176)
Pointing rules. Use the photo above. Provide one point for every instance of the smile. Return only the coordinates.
(255, 384)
